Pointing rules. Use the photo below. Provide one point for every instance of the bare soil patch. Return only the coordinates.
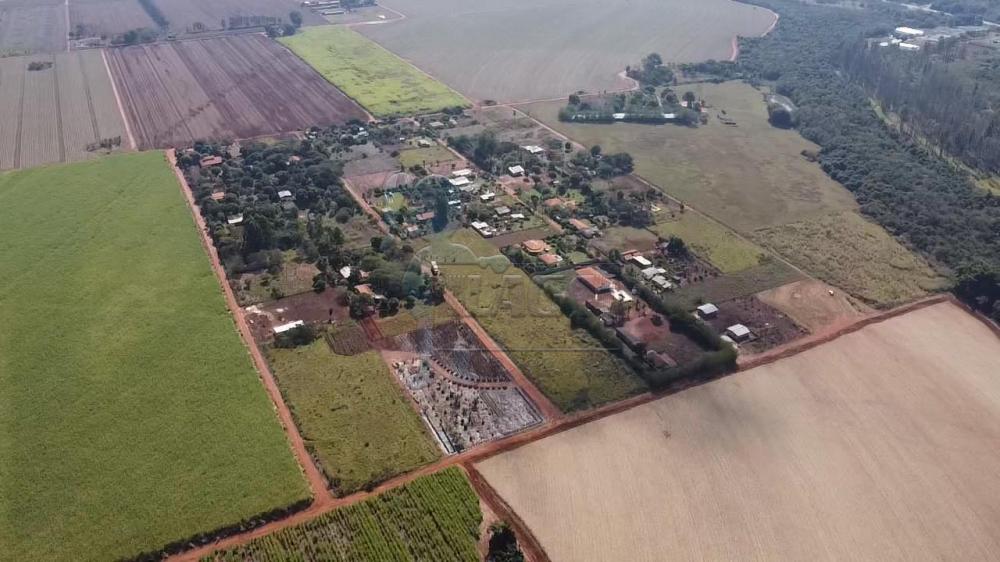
(877, 445)
(811, 305)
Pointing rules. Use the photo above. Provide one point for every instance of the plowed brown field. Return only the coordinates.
(879, 445)
(233, 87)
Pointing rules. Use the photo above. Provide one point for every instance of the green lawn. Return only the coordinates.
(425, 156)
(383, 83)
(352, 415)
(434, 518)
(568, 365)
(130, 413)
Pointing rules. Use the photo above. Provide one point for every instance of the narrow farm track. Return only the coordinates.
(529, 544)
(118, 100)
(59, 119)
(317, 483)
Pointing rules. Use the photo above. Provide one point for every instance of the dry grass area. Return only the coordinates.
(813, 304)
(880, 445)
(516, 51)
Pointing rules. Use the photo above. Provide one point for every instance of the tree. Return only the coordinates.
(503, 545)
(595, 150)
(574, 99)
(440, 221)
(676, 246)
(296, 18)
(780, 117)
(689, 97)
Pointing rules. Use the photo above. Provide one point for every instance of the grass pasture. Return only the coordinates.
(875, 446)
(712, 241)
(131, 413)
(374, 77)
(749, 176)
(517, 51)
(568, 365)
(352, 415)
(850, 252)
(425, 156)
(435, 517)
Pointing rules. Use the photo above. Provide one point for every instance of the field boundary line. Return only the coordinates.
(315, 479)
(118, 100)
(59, 119)
(736, 38)
(526, 539)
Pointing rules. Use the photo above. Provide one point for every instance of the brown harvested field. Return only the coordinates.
(810, 304)
(238, 86)
(30, 27)
(195, 16)
(107, 18)
(516, 51)
(54, 114)
(879, 445)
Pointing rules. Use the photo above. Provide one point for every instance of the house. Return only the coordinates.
(661, 283)
(294, 160)
(907, 32)
(424, 143)
(209, 161)
(218, 196)
(425, 216)
(533, 149)
(640, 261)
(463, 173)
(594, 279)
(550, 259)
(488, 196)
(484, 229)
(284, 194)
(289, 326)
(738, 332)
(533, 247)
(235, 220)
(364, 289)
(579, 225)
(619, 116)
(455, 202)
(670, 116)
(470, 188)
(708, 310)
(516, 171)
(459, 182)
(502, 211)
(345, 271)
(621, 295)
(436, 125)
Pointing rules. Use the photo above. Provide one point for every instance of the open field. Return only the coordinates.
(194, 16)
(848, 251)
(875, 446)
(56, 113)
(107, 18)
(238, 86)
(749, 176)
(551, 48)
(353, 417)
(31, 27)
(435, 517)
(425, 156)
(568, 365)
(711, 241)
(769, 274)
(377, 79)
(132, 416)
(811, 304)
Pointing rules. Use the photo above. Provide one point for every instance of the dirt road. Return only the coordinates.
(545, 406)
(317, 484)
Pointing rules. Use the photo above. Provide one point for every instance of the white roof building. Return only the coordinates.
(618, 116)
(651, 272)
(621, 295)
(502, 210)
(516, 170)
(533, 149)
(464, 172)
(345, 271)
(459, 182)
(662, 282)
(285, 327)
(489, 195)
(738, 332)
(909, 31)
(708, 310)
(517, 216)
(284, 194)
(909, 47)
(483, 228)
(235, 220)
(639, 260)
(670, 116)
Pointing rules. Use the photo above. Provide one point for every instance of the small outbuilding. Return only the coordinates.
(289, 326)
(738, 332)
(708, 310)
(516, 171)
(284, 194)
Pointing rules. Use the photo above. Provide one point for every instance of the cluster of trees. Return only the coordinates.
(503, 545)
(942, 93)
(651, 71)
(915, 195)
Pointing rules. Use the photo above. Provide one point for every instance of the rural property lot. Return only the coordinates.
(53, 114)
(516, 51)
(382, 82)
(879, 445)
(131, 414)
(32, 26)
(233, 87)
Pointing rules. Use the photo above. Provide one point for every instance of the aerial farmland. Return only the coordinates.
(233, 87)
(537, 50)
(795, 460)
(28, 27)
(57, 108)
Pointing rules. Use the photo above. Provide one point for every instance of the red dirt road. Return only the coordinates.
(545, 406)
(317, 484)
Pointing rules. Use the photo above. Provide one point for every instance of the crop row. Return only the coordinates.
(435, 518)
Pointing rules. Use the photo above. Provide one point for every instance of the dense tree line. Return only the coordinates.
(940, 93)
(915, 195)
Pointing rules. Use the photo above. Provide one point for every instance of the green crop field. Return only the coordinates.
(353, 416)
(856, 255)
(712, 241)
(383, 83)
(131, 413)
(434, 518)
(568, 365)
